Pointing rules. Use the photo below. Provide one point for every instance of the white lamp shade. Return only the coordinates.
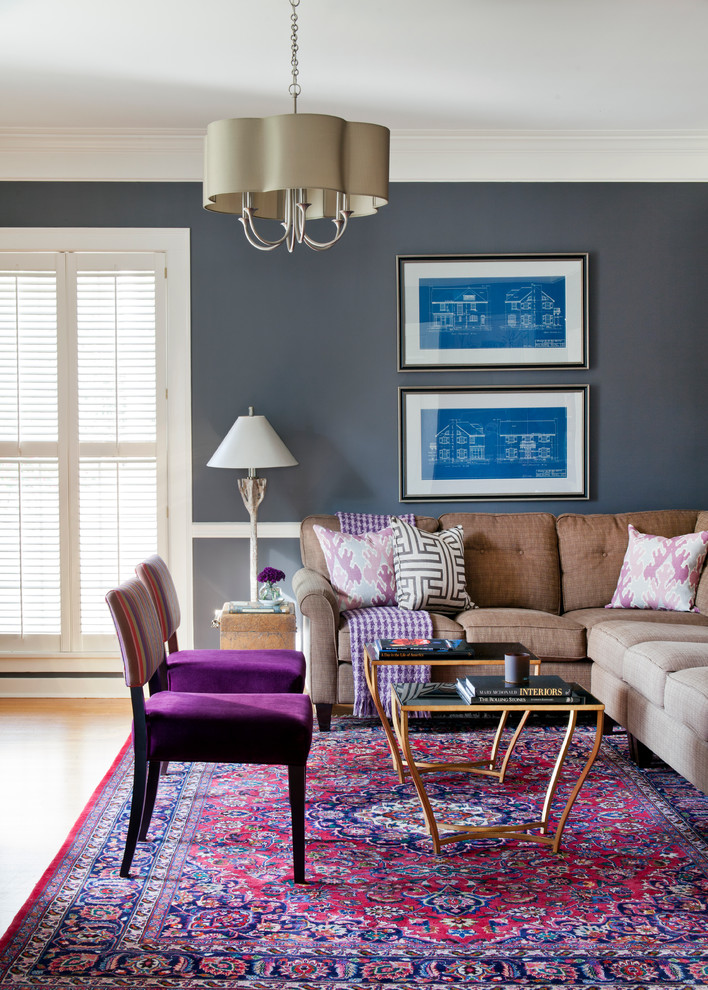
(251, 443)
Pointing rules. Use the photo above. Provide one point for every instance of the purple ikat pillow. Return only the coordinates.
(360, 567)
(660, 572)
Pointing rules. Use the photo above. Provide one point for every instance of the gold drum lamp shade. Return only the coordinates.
(319, 154)
(295, 167)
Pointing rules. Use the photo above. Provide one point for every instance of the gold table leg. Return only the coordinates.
(401, 764)
(521, 830)
(556, 838)
(400, 724)
(373, 683)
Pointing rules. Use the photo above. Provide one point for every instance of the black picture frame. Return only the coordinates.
(486, 311)
(493, 443)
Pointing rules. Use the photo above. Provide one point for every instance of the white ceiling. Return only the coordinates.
(465, 65)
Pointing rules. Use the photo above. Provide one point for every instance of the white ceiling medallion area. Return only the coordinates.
(75, 154)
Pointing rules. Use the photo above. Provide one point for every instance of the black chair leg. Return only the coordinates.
(153, 779)
(296, 790)
(137, 805)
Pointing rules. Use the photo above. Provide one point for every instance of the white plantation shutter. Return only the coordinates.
(116, 356)
(28, 355)
(82, 459)
(116, 323)
(117, 499)
(30, 589)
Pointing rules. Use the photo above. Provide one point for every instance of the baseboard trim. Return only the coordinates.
(67, 685)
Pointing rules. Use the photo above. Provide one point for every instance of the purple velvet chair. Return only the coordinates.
(268, 728)
(239, 671)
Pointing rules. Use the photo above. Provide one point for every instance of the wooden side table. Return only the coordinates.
(258, 630)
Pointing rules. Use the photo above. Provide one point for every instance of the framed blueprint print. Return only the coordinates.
(493, 443)
(492, 311)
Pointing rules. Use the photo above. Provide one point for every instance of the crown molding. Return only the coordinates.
(550, 156)
(173, 155)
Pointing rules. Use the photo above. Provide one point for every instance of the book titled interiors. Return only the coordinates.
(489, 687)
(403, 647)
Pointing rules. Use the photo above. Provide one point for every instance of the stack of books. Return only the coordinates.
(406, 649)
(258, 608)
(493, 689)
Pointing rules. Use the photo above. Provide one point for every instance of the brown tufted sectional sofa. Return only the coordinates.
(543, 581)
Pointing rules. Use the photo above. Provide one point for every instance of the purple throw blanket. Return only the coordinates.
(357, 523)
(368, 624)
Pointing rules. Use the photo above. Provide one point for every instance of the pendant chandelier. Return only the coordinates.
(294, 168)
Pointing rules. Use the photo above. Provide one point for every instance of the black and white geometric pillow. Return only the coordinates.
(430, 569)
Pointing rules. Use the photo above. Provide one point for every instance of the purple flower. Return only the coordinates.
(269, 575)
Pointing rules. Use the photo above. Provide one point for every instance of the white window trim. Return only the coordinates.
(175, 243)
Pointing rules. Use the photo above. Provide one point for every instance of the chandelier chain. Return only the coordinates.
(294, 88)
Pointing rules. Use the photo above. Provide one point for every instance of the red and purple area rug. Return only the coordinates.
(211, 902)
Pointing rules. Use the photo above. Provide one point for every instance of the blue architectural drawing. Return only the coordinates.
(474, 313)
(494, 443)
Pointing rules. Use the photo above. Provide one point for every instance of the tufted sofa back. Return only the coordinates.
(511, 558)
(592, 548)
(537, 561)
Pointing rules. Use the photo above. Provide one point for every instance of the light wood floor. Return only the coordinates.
(53, 754)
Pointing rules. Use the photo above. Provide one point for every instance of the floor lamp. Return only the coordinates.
(252, 443)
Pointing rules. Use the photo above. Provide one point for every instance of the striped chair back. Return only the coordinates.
(156, 577)
(138, 629)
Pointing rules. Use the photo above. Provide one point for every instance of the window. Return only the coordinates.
(83, 440)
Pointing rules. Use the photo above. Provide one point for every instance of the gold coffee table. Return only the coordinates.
(540, 830)
(486, 654)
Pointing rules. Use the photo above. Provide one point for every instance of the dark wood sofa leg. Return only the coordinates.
(608, 724)
(324, 716)
(639, 753)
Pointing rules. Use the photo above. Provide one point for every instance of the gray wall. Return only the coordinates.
(310, 340)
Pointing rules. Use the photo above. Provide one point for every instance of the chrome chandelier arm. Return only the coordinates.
(294, 224)
(340, 223)
(252, 235)
(248, 211)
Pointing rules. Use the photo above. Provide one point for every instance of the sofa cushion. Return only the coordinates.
(590, 617)
(592, 549)
(686, 699)
(608, 642)
(360, 567)
(544, 634)
(660, 572)
(311, 551)
(511, 558)
(647, 665)
(430, 569)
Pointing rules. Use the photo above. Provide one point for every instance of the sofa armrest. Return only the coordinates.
(317, 601)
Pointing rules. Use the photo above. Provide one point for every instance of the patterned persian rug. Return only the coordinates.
(211, 903)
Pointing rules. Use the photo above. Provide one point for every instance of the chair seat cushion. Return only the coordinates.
(236, 671)
(229, 728)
